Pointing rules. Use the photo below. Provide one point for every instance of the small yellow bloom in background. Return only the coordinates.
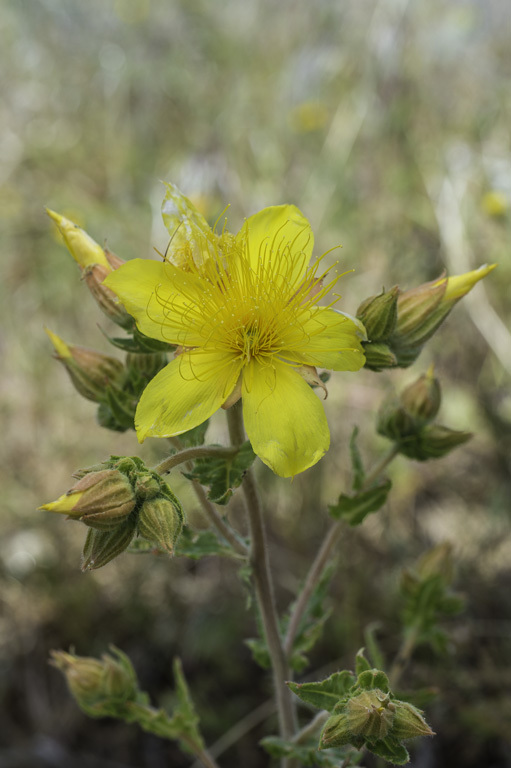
(495, 204)
(243, 311)
(84, 250)
(309, 116)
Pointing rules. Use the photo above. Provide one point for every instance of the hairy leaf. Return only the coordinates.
(354, 509)
(327, 693)
(222, 476)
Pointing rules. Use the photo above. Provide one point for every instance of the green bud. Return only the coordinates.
(336, 732)
(379, 314)
(422, 398)
(93, 276)
(421, 311)
(367, 715)
(91, 372)
(147, 485)
(433, 442)
(146, 365)
(409, 722)
(103, 546)
(394, 421)
(160, 520)
(101, 499)
(378, 356)
(98, 685)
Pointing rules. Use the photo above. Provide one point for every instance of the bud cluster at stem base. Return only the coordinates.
(370, 715)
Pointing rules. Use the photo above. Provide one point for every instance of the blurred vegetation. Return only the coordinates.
(388, 123)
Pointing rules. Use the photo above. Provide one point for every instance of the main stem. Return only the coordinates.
(263, 584)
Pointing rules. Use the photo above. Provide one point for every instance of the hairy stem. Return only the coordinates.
(208, 508)
(403, 656)
(196, 452)
(263, 585)
(323, 556)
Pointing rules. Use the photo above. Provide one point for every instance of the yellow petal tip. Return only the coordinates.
(60, 346)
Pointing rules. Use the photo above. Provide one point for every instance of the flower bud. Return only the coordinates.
(98, 685)
(93, 275)
(160, 520)
(378, 356)
(421, 310)
(146, 365)
(112, 258)
(433, 442)
(379, 314)
(422, 398)
(101, 499)
(409, 722)
(394, 421)
(84, 250)
(102, 546)
(367, 715)
(90, 371)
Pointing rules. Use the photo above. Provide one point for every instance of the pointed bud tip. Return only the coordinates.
(60, 346)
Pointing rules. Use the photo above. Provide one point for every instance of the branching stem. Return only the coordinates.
(196, 452)
(208, 508)
(323, 556)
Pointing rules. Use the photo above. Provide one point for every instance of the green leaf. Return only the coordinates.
(260, 652)
(390, 749)
(327, 693)
(139, 342)
(195, 436)
(373, 647)
(355, 508)
(197, 544)
(308, 754)
(373, 678)
(356, 462)
(185, 714)
(222, 475)
(361, 663)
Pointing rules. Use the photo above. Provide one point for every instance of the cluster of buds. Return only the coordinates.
(101, 687)
(407, 421)
(119, 499)
(398, 323)
(371, 716)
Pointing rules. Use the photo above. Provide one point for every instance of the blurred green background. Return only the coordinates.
(388, 123)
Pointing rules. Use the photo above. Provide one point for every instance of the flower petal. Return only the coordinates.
(269, 239)
(190, 233)
(284, 419)
(185, 393)
(161, 297)
(334, 341)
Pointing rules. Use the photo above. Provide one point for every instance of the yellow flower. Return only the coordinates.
(242, 310)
